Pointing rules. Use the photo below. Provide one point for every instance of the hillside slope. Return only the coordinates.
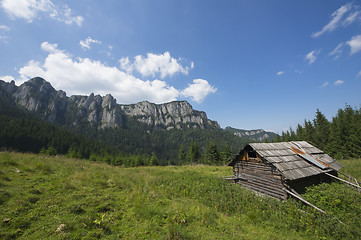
(59, 198)
(140, 129)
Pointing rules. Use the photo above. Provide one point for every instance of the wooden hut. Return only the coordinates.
(275, 169)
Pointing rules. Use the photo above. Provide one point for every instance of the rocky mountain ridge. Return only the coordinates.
(38, 96)
(174, 114)
(255, 135)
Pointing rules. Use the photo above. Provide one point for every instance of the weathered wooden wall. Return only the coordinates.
(259, 176)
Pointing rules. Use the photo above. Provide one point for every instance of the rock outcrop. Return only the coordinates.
(255, 135)
(177, 114)
(99, 111)
(39, 97)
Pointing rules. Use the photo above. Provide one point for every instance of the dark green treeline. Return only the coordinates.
(340, 137)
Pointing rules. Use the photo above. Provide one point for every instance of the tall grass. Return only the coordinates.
(58, 198)
(352, 167)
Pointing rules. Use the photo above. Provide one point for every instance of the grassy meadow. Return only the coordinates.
(45, 197)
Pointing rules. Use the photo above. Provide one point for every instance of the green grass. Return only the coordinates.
(352, 167)
(58, 198)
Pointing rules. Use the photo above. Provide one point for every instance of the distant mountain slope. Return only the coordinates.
(38, 96)
(255, 135)
(142, 128)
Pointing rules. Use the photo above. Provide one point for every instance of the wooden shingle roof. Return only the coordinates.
(291, 165)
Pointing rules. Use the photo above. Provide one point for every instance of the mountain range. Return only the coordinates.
(95, 115)
(258, 135)
(38, 96)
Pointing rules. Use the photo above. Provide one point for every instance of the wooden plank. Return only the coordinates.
(263, 189)
(277, 196)
(343, 180)
(299, 197)
(262, 177)
(347, 176)
(262, 185)
(256, 188)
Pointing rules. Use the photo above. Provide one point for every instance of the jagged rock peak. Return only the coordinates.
(9, 87)
(98, 110)
(38, 95)
(169, 115)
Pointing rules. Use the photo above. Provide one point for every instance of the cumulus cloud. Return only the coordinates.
(85, 44)
(48, 47)
(280, 73)
(30, 9)
(338, 82)
(344, 16)
(355, 44)
(7, 78)
(84, 76)
(311, 56)
(198, 90)
(153, 64)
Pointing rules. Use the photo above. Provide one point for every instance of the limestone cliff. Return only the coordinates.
(177, 114)
(38, 96)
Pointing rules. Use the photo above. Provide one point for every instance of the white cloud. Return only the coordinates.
(337, 51)
(325, 84)
(153, 64)
(198, 90)
(85, 44)
(280, 73)
(84, 76)
(48, 47)
(311, 56)
(30, 9)
(109, 53)
(355, 44)
(352, 17)
(7, 78)
(338, 82)
(4, 27)
(338, 19)
(4, 37)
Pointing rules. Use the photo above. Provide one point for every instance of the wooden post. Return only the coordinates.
(343, 180)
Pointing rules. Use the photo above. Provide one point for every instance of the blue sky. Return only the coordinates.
(248, 64)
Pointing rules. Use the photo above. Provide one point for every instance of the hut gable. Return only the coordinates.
(271, 167)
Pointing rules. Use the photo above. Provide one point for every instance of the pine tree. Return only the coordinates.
(194, 153)
(182, 155)
(226, 153)
(300, 133)
(321, 130)
(153, 160)
(212, 155)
